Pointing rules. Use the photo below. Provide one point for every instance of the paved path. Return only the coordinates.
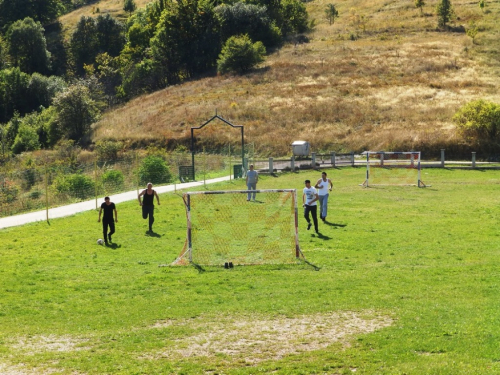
(12, 221)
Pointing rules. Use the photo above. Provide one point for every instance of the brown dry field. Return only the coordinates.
(395, 87)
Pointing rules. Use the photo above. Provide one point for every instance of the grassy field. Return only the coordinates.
(408, 284)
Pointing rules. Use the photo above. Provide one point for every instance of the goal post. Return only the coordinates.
(393, 168)
(224, 227)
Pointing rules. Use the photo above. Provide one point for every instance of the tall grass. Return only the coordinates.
(408, 284)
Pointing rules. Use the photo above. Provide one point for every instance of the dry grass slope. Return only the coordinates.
(380, 77)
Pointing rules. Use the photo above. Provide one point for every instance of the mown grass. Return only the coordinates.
(426, 260)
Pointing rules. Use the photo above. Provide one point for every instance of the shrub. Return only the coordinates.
(240, 55)
(112, 180)
(479, 121)
(8, 191)
(77, 185)
(108, 150)
(154, 169)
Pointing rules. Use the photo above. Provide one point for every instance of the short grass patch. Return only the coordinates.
(408, 283)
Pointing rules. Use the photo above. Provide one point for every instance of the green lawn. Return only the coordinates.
(409, 284)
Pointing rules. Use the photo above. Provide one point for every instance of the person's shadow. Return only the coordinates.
(152, 234)
(334, 224)
(113, 245)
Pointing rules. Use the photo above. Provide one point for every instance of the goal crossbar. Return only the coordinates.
(394, 161)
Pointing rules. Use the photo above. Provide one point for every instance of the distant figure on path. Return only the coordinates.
(322, 186)
(147, 204)
(309, 202)
(252, 179)
(107, 220)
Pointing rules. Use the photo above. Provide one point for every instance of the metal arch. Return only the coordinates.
(193, 128)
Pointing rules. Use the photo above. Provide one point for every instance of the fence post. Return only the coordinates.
(333, 159)
(352, 158)
(292, 163)
(46, 193)
(271, 167)
(313, 162)
(473, 159)
(442, 158)
(95, 182)
(382, 157)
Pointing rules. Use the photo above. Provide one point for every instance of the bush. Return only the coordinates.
(240, 55)
(108, 150)
(8, 191)
(479, 121)
(155, 170)
(76, 185)
(112, 180)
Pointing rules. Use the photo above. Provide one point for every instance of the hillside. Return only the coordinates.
(381, 77)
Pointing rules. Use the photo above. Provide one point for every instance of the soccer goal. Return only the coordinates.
(224, 228)
(393, 168)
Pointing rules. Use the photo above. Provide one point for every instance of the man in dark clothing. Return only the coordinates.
(107, 220)
(147, 204)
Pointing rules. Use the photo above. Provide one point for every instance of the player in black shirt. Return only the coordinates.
(107, 220)
(147, 204)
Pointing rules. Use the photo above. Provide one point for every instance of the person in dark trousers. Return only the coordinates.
(147, 204)
(108, 208)
(309, 202)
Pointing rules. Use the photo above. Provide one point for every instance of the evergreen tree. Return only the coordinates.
(129, 6)
(444, 12)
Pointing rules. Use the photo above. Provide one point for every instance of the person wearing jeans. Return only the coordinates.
(309, 202)
(324, 185)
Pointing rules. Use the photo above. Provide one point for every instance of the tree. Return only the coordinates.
(84, 43)
(420, 4)
(243, 18)
(444, 12)
(331, 13)
(186, 40)
(43, 11)
(110, 35)
(294, 17)
(240, 55)
(129, 6)
(472, 31)
(14, 93)
(479, 121)
(76, 111)
(27, 46)
(27, 136)
(482, 4)
(3, 52)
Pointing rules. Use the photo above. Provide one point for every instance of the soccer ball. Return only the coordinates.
(100, 241)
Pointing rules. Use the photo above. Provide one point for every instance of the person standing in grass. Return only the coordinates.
(147, 204)
(252, 179)
(324, 185)
(309, 202)
(108, 208)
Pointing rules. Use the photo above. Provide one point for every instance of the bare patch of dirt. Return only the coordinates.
(256, 339)
(51, 343)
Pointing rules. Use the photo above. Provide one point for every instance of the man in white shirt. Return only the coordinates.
(324, 185)
(309, 202)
